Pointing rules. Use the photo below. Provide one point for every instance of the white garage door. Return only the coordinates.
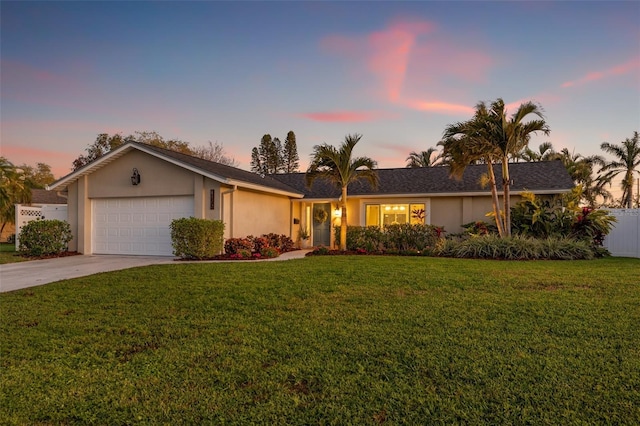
(139, 226)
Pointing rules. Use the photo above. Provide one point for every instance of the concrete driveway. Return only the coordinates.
(15, 276)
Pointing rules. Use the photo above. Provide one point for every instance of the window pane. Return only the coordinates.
(372, 215)
(393, 214)
(418, 213)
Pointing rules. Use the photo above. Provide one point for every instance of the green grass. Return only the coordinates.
(8, 254)
(328, 340)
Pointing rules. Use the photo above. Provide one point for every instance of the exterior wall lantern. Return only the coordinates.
(135, 177)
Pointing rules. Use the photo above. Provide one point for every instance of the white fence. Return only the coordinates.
(25, 214)
(624, 239)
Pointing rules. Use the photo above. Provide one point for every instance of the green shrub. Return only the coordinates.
(516, 247)
(561, 218)
(44, 237)
(194, 238)
(406, 237)
(392, 238)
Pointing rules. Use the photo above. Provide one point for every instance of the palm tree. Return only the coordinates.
(581, 170)
(467, 143)
(423, 158)
(498, 139)
(627, 161)
(545, 153)
(13, 190)
(338, 167)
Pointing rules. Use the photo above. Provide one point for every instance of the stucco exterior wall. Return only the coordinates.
(256, 213)
(447, 212)
(157, 178)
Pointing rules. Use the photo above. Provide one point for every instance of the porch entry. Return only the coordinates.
(321, 219)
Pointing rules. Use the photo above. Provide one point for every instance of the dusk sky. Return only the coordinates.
(229, 72)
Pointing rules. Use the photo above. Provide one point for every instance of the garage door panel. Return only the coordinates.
(137, 225)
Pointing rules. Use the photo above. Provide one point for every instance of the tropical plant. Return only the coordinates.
(561, 217)
(14, 189)
(545, 152)
(494, 138)
(626, 162)
(337, 166)
(428, 158)
(581, 170)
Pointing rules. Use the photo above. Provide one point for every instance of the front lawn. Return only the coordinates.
(328, 340)
(8, 254)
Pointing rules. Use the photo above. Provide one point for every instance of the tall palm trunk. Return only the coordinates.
(343, 220)
(494, 198)
(506, 186)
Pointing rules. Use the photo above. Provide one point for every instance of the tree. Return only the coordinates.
(271, 157)
(581, 170)
(290, 154)
(338, 167)
(494, 138)
(102, 145)
(105, 143)
(38, 177)
(423, 158)
(14, 189)
(626, 162)
(256, 162)
(545, 152)
(214, 152)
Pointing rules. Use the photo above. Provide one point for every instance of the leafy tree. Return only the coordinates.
(14, 189)
(626, 162)
(39, 176)
(423, 158)
(290, 154)
(105, 143)
(495, 138)
(102, 145)
(338, 167)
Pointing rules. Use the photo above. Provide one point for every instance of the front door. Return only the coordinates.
(321, 218)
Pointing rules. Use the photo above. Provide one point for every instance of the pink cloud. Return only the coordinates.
(391, 51)
(409, 56)
(439, 107)
(60, 162)
(621, 69)
(347, 116)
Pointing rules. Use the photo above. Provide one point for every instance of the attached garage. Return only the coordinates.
(137, 226)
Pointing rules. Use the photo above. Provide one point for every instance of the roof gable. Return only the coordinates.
(216, 171)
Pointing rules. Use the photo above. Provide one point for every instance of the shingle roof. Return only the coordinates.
(42, 196)
(547, 176)
(222, 170)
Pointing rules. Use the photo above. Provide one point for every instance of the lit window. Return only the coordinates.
(391, 214)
